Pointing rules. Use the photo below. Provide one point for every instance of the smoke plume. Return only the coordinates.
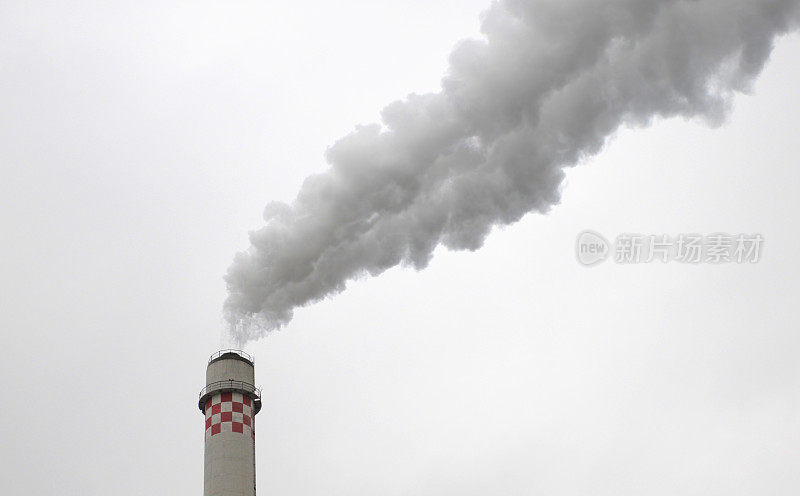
(544, 88)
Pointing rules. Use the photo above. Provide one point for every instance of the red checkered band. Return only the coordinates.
(229, 412)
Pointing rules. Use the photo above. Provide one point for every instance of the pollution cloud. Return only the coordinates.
(549, 82)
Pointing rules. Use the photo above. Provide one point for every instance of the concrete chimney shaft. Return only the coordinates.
(230, 402)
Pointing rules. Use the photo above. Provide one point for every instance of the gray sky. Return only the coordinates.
(139, 145)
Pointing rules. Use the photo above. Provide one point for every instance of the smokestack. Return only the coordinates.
(230, 402)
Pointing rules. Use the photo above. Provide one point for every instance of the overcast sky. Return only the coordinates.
(140, 142)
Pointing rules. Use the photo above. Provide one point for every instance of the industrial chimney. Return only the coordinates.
(230, 402)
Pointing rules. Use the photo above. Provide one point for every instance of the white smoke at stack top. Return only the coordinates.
(228, 336)
(545, 88)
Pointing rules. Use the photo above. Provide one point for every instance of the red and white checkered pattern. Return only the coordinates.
(229, 412)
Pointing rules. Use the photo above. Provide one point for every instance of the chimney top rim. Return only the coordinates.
(231, 353)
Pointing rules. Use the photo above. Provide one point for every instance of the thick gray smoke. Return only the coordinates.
(549, 83)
